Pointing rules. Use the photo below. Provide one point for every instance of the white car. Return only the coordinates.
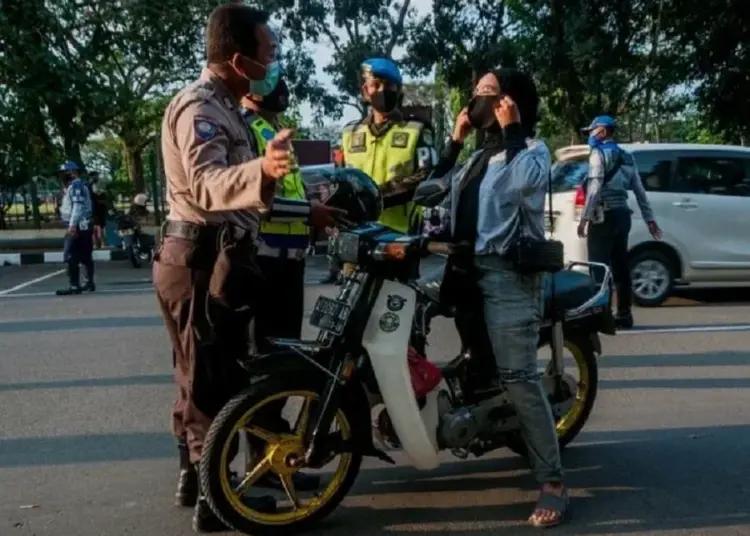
(700, 195)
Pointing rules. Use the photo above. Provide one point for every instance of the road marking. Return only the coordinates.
(31, 282)
(686, 329)
(98, 291)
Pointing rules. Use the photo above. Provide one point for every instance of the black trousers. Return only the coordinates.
(78, 249)
(283, 305)
(608, 244)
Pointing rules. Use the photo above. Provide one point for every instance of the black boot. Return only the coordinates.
(70, 291)
(205, 521)
(89, 286)
(624, 320)
(187, 484)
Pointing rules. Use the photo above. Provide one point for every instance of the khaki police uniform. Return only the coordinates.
(215, 189)
(397, 155)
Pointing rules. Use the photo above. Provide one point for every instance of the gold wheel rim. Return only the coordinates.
(567, 421)
(280, 450)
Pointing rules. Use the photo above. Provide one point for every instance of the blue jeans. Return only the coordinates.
(512, 305)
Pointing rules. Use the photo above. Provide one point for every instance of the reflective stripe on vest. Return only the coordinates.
(384, 158)
(291, 187)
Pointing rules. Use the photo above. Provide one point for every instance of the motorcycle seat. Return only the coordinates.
(572, 289)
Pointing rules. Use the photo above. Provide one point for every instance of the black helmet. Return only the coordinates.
(349, 189)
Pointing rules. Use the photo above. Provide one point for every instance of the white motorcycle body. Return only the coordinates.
(386, 340)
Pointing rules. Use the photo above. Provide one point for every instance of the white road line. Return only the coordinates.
(685, 329)
(99, 291)
(7, 291)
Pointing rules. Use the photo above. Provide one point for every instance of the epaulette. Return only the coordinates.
(351, 125)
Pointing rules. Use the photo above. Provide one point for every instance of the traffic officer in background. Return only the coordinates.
(282, 247)
(606, 217)
(76, 211)
(397, 152)
(205, 274)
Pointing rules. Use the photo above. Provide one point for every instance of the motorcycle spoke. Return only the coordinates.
(303, 420)
(253, 476)
(261, 433)
(288, 483)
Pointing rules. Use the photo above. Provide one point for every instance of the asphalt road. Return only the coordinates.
(85, 395)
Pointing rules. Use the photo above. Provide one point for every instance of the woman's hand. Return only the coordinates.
(462, 127)
(506, 112)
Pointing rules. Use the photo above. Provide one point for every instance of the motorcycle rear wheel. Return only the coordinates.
(571, 424)
(236, 416)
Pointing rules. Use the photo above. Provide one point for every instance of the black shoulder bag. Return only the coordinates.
(530, 256)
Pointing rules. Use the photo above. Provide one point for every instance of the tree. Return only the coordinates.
(368, 28)
(713, 37)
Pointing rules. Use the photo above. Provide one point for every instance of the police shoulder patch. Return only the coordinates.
(400, 140)
(205, 128)
(358, 141)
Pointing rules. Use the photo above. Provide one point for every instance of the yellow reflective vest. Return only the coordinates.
(384, 158)
(281, 235)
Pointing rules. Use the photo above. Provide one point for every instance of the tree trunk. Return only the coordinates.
(134, 165)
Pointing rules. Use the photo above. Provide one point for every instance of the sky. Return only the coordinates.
(322, 55)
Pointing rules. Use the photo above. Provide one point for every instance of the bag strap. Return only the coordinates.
(618, 164)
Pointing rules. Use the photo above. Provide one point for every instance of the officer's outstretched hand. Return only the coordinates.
(654, 230)
(583, 227)
(322, 216)
(277, 162)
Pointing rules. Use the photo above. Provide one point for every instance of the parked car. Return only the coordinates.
(701, 198)
(700, 195)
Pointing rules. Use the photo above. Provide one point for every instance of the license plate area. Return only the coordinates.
(330, 315)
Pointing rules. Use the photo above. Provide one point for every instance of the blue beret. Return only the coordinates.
(601, 121)
(382, 68)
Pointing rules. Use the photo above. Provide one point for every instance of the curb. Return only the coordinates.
(56, 257)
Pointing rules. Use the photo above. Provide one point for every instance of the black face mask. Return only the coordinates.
(276, 104)
(481, 111)
(385, 101)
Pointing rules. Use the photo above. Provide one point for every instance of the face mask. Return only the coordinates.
(276, 104)
(594, 141)
(385, 101)
(482, 111)
(265, 86)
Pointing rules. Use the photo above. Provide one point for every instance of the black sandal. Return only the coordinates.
(550, 501)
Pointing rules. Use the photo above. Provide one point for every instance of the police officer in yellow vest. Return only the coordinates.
(396, 152)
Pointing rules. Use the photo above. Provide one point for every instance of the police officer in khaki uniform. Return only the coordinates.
(218, 190)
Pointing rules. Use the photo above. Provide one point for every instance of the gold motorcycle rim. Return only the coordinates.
(568, 421)
(280, 449)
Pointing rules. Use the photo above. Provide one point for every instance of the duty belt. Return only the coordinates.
(201, 233)
(265, 250)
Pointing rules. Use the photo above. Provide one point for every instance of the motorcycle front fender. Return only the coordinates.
(386, 341)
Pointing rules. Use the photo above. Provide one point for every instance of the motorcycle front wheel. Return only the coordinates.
(569, 425)
(250, 413)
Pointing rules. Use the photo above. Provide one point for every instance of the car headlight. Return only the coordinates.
(344, 247)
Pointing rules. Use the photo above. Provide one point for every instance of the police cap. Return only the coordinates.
(69, 166)
(382, 68)
(601, 121)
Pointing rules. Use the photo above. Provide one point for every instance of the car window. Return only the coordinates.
(567, 174)
(716, 175)
(654, 167)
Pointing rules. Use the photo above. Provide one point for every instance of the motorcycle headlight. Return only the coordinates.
(344, 247)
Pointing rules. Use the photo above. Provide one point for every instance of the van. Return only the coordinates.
(700, 195)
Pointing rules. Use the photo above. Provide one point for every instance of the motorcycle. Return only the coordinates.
(138, 246)
(361, 359)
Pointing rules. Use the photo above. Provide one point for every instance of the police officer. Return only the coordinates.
(282, 247)
(218, 189)
(606, 217)
(76, 210)
(396, 152)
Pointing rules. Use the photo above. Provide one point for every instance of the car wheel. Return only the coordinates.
(652, 278)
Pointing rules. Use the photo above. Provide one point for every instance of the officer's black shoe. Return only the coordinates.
(302, 482)
(624, 320)
(70, 291)
(187, 488)
(89, 286)
(205, 521)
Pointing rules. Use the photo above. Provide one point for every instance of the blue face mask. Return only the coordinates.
(594, 141)
(264, 87)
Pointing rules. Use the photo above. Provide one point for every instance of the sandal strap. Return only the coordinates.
(551, 501)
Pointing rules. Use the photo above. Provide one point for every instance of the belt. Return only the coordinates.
(265, 250)
(200, 233)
